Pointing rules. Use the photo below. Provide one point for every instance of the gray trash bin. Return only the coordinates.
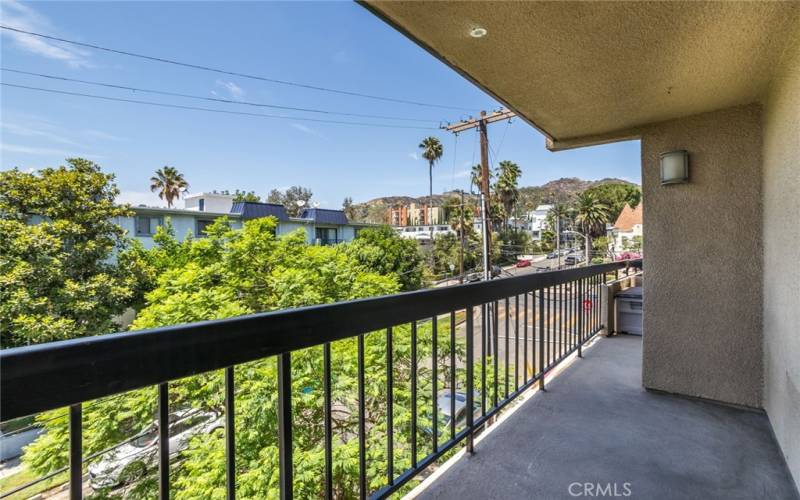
(628, 306)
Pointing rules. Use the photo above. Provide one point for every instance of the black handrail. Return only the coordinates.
(53, 375)
(56, 374)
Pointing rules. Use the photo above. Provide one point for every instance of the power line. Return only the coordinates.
(231, 73)
(213, 99)
(212, 110)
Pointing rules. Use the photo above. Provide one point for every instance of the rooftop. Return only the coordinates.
(629, 217)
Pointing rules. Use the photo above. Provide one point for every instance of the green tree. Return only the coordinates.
(233, 272)
(57, 237)
(506, 187)
(432, 151)
(348, 208)
(476, 176)
(382, 250)
(294, 199)
(592, 216)
(169, 184)
(248, 196)
(455, 213)
(615, 196)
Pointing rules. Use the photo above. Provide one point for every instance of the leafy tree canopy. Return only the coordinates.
(250, 196)
(290, 199)
(386, 252)
(57, 238)
(615, 196)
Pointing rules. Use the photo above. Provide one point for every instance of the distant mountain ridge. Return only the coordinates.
(562, 190)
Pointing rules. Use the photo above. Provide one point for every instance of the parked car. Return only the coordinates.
(523, 263)
(131, 460)
(474, 277)
(573, 259)
(552, 255)
(443, 402)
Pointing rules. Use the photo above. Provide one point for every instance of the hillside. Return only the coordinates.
(562, 190)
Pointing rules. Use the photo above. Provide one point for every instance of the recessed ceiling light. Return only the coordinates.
(478, 32)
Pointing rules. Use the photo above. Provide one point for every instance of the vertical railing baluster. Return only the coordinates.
(506, 346)
(516, 346)
(516, 342)
(562, 321)
(533, 341)
(541, 339)
(470, 385)
(548, 333)
(484, 333)
(362, 428)
(163, 441)
(75, 452)
(328, 403)
(435, 381)
(573, 321)
(285, 426)
(414, 394)
(495, 352)
(525, 338)
(230, 436)
(580, 318)
(389, 407)
(452, 374)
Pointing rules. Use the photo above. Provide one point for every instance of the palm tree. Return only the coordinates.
(506, 187)
(476, 176)
(432, 151)
(169, 183)
(592, 216)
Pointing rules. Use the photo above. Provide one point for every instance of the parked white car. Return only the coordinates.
(132, 459)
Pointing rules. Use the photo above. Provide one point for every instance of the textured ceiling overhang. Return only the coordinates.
(589, 69)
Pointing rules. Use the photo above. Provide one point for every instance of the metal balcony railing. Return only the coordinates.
(554, 314)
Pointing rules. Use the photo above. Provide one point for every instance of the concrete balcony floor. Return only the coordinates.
(596, 424)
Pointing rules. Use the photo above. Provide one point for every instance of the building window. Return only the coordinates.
(201, 227)
(146, 226)
(201, 204)
(327, 235)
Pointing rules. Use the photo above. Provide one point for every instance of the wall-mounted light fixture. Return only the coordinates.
(674, 167)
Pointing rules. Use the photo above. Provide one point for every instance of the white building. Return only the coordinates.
(627, 226)
(537, 221)
(322, 226)
(423, 233)
(209, 202)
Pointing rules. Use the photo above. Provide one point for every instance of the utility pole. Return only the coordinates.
(481, 124)
(558, 239)
(461, 249)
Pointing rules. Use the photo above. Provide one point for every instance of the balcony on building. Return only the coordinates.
(705, 404)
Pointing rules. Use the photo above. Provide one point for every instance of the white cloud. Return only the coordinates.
(137, 198)
(30, 150)
(18, 15)
(413, 156)
(22, 131)
(307, 130)
(235, 91)
(99, 134)
(463, 173)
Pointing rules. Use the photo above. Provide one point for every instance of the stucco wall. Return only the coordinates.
(782, 260)
(703, 250)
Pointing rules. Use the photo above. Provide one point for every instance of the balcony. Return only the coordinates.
(486, 343)
(597, 432)
(593, 426)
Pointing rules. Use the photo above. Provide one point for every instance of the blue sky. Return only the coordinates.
(336, 44)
